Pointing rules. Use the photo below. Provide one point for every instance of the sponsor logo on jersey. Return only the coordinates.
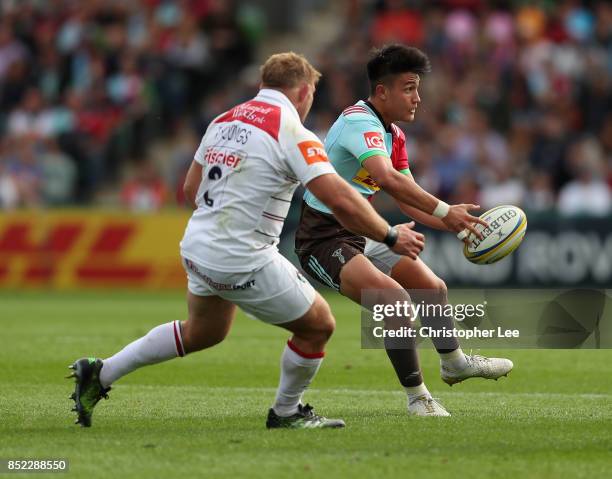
(223, 156)
(363, 178)
(262, 115)
(374, 139)
(312, 151)
(256, 112)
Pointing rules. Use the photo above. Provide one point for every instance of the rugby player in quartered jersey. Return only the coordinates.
(358, 134)
(368, 150)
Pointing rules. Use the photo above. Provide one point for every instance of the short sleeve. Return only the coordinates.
(199, 154)
(363, 139)
(306, 155)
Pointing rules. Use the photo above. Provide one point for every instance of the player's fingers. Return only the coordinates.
(463, 234)
(473, 229)
(419, 236)
(416, 249)
(408, 249)
(480, 221)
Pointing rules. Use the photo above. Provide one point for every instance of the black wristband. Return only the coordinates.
(391, 238)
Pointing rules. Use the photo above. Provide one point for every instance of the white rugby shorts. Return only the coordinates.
(276, 293)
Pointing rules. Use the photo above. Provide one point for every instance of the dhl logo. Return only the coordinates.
(90, 250)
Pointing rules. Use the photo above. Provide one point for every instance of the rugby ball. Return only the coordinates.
(507, 226)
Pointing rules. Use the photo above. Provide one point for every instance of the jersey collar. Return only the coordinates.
(279, 97)
(375, 111)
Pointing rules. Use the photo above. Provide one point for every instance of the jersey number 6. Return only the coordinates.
(214, 174)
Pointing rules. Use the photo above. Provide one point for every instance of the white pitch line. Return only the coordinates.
(372, 392)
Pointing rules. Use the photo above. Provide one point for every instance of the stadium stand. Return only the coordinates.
(104, 102)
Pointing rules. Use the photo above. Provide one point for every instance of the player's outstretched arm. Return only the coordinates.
(422, 217)
(404, 189)
(357, 215)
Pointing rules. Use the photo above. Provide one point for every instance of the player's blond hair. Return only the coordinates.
(287, 70)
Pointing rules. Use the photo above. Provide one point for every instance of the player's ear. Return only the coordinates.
(381, 91)
(303, 92)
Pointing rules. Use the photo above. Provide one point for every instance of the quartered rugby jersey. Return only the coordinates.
(358, 134)
(253, 158)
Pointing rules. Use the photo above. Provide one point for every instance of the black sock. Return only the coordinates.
(435, 319)
(406, 365)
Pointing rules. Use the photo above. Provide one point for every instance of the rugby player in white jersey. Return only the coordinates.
(241, 182)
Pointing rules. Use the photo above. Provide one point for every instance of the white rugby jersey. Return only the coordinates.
(253, 157)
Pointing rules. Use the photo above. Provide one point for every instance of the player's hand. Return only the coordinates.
(409, 242)
(459, 219)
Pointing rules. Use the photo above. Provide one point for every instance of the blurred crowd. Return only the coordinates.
(106, 100)
(517, 108)
(90, 91)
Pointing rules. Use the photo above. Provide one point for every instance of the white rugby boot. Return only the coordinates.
(425, 405)
(477, 367)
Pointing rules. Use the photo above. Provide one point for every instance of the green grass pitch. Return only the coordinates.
(203, 416)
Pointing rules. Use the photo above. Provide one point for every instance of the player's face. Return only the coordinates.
(404, 97)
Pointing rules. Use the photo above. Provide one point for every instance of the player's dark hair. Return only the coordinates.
(395, 59)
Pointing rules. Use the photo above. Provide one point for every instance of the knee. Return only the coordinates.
(388, 292)
(315, 328)
(326, 324)
(322, 325)
(196, 338)
(438, 286)
(329, 327)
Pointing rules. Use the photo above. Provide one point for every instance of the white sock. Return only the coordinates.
(414, 392)
(160, 344)
(297, 371)
(454, 360)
